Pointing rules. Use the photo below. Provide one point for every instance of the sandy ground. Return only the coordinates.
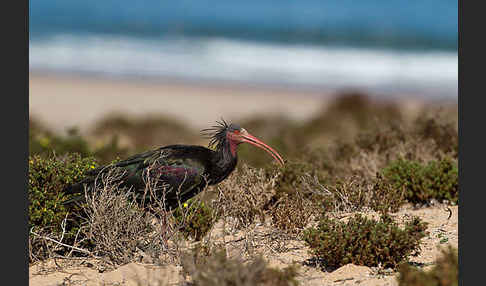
(67, 101)
(442, 232)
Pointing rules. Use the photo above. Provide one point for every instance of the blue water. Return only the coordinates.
(405, 45)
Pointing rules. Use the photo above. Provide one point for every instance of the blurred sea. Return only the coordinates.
(402, 46)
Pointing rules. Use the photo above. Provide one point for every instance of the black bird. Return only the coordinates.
(185, 170)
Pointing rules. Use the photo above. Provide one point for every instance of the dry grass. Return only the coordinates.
(45, 243)
(293, 213)
(244, 196)
(116, 225)
(346, 195)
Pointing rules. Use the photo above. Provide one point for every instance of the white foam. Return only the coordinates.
(223, 59)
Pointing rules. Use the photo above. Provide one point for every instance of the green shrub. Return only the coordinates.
(386, 197)
(217, 269)
(195, 218)
(444, 273)
(48, 176)
(47, 179)
(422, 183)
(364, 241)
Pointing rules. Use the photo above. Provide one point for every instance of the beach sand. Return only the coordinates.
(70, 101)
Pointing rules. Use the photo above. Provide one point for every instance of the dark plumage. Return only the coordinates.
(185, 169)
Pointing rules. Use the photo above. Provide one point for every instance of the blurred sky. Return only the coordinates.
(387, 46)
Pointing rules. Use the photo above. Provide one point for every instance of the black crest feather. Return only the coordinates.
(216, 134)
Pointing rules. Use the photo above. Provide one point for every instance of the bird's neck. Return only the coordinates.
(225, 162)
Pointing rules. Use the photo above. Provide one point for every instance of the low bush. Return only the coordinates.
(444, 273)
(364, 241)
(218, 269)
(195, 217)
(116, 227)
(424, 182)
(47, 179)
(386, 197)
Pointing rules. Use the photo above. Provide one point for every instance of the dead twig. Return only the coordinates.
(450, 212)
(63, 244)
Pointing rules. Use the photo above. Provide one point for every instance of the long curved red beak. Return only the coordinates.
(255, 141)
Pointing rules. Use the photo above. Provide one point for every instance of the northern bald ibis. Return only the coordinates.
(184, 169)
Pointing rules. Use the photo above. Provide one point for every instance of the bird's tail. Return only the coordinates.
(77, 198)
(76, 189)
